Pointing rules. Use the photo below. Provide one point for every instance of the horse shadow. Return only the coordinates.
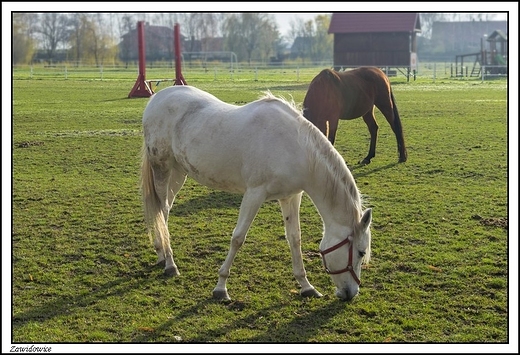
(302, 328)
(213, 200)
(66, 306)
(355, 167)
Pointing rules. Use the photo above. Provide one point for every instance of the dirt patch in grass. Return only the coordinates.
(492, 222)
(28, 144)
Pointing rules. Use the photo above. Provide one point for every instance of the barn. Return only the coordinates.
(381, 39)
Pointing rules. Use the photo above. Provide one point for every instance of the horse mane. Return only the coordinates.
(322, 154)
(331, 74)
(339, 180)
(268, 96)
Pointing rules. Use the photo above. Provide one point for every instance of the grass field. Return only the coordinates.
(82, 264)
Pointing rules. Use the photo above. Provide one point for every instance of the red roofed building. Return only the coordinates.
(382, 39)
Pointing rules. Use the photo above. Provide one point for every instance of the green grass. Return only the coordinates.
(82, 264)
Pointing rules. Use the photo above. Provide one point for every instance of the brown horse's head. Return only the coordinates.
(322, 103)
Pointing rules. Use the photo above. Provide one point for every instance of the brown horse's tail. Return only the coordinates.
(403, 154)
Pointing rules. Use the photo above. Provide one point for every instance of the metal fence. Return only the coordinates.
(204, 71)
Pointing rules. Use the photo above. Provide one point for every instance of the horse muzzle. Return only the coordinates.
(346, 294)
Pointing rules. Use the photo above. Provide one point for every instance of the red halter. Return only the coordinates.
(349, 267)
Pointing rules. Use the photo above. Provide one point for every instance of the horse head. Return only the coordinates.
(343, 260)
(323, 103)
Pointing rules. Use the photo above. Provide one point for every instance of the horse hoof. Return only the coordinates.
(311, 293)
(364, 162)
(402, 160)
(171, 271)
(161, 263)
(221, 295)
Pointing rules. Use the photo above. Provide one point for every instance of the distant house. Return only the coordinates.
(300, 46)
(158, 44)
(463, 36)
(383, 39)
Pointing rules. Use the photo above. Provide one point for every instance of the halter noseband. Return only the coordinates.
(349, 267)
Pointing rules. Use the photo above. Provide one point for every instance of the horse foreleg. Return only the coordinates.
(370, 120)
(291, 218)
(332, 127)
(251, 203)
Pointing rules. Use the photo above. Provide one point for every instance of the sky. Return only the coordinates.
(284, 12)
(284, 20)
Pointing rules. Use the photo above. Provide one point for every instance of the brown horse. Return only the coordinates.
(351, 94)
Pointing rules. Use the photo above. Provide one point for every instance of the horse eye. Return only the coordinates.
(361, 254)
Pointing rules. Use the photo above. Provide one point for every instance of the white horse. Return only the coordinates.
(265, 150)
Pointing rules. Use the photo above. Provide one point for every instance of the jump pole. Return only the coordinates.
(141, 87)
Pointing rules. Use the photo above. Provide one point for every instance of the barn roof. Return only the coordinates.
(368, 22)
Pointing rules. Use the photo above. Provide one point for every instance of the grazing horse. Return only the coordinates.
(351, 94)
(264, 150)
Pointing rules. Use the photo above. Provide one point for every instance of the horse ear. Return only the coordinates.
(366, 219)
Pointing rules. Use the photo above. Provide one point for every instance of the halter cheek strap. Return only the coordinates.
(349, 267)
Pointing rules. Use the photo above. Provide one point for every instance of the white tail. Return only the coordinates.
(153, 211)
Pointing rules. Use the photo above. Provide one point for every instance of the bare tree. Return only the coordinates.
(125, 24)
(23, 44)
(232, 39)
(101, 44)
(189, 29)
(243, 32)
(91, 39)
(77, 36)
(323, 41)
(54, 31)
(301, 32)
(269, 39)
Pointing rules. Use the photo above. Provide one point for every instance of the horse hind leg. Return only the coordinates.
(373, 127)
(389, 110)
(167, 185)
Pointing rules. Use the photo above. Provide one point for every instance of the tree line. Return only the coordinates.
(93, 38)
